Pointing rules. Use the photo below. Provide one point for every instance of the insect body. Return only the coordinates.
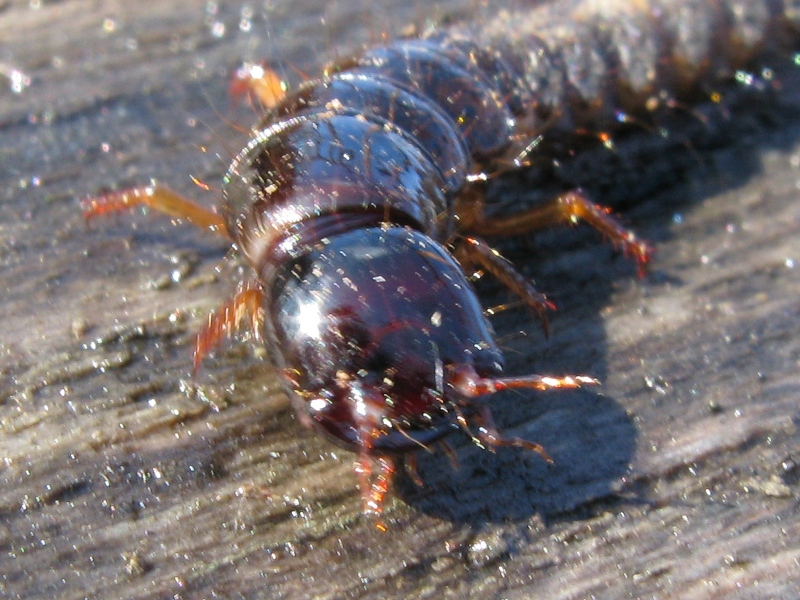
(356, 204)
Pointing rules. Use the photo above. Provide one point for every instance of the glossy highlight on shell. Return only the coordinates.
(358, 202)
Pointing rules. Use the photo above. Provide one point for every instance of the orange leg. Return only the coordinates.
(160, 198)
(410, 462)
(228, 318)
(373, 487)
(569, 207)
(450, 454)
(257, 81)
(410, 466)
(469, 385)
(474, 250)
(490, 438)
(374, 490)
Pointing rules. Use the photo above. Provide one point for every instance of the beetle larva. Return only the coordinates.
(357, 203)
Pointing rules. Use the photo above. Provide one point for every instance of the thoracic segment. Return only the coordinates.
(471, 97)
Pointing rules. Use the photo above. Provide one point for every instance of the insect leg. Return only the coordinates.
(468, 384)
(410, 465)
(569, 207)
(257, 81)
(157, 197)
(374, 490)
(410, 462)
(474, 250)
(227, 319)
(491, 438)
(450, 454)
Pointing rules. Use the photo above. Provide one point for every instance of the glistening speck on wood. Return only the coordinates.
(358, 203)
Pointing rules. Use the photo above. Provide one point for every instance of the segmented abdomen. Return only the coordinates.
(391, 135)
(592, 57)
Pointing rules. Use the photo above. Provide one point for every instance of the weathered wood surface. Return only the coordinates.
(676, 478)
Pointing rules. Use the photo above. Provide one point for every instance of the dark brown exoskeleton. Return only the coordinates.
(355, 203)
